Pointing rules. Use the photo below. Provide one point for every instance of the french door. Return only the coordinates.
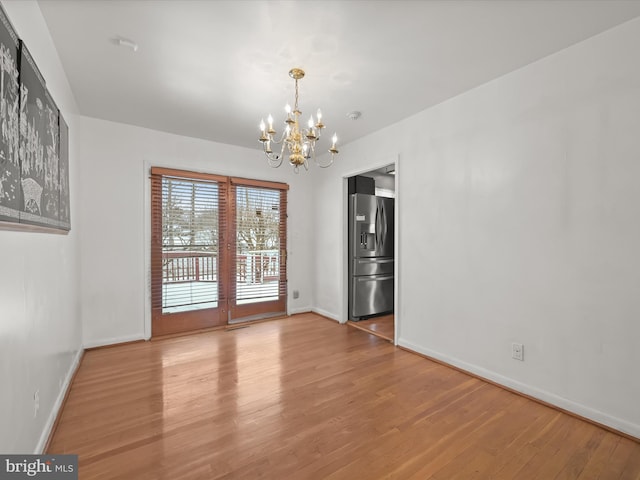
(218, 250)
(258, 221)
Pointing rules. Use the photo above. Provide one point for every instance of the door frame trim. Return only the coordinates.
(344, 245)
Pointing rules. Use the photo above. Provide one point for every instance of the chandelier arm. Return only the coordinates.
(327, 165)
(278, 142)
(274, 162)
(320, 164)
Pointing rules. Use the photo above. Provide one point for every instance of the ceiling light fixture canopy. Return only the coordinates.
(299, 142)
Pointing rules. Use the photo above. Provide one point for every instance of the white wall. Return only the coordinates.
(40, 328)
(519, 222)
(115, 219)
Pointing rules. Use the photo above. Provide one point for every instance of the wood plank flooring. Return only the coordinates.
(307, 398)
(382, 326)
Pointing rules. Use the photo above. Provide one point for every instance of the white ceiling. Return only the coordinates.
(213, 69)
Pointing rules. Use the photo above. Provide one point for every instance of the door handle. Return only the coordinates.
(378, 260)
(378, 238)
(385, 226)
(373, 278)
(382, 233)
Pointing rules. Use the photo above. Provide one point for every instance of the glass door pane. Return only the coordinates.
(189, 245)
(189, 276)
(259, 277)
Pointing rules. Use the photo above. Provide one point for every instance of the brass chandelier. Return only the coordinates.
(300, 143)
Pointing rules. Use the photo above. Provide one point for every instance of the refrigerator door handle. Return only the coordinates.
(377, 278)
(377, 229)
(384, 225)
(379, 216)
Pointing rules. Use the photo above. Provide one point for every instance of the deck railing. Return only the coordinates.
(258, 266)
(189, 266)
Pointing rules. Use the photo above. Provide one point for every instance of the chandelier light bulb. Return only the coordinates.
(270, 120)
(319, 115)
(333, 150)
(310, 122)
(287, 108)
(262, 125)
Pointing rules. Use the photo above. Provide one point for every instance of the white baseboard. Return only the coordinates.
(296, 311)
(113, 341)
(543, 395)
(324, 313)
(48, 426)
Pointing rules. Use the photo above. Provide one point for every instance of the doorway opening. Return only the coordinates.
(371, 251)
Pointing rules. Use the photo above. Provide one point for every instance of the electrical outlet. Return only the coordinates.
(36, 403)
(296, 294)
(517, 351)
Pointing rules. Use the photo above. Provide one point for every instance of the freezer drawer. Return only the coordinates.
(372, 294)
(372, 266)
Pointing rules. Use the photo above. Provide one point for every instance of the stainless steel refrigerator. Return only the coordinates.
(370, 255)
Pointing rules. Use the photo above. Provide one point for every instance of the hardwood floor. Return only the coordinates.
(382, 326)
(306, 398)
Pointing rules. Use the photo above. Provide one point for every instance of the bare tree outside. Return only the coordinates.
(190, 215)
(257, 225)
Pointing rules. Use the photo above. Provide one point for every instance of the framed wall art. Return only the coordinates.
(9, 117)
(34, 156)
(34, 142)
(63, 144)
